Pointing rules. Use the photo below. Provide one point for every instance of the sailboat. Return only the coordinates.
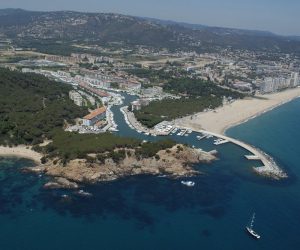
(250, 228)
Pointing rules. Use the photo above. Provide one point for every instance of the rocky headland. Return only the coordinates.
(174, 162)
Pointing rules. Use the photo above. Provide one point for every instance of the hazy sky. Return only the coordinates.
(279, 16)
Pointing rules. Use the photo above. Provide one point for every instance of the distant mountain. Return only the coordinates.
(170, 22)
(102, 28)
(217, 30)
(295, 38)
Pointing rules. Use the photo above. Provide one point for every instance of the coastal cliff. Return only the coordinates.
(173, 162)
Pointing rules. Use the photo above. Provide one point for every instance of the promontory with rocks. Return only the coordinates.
(173, 162)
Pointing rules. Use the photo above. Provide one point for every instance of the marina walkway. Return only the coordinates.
(269, 168)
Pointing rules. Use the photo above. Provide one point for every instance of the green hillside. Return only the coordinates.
(31, 106)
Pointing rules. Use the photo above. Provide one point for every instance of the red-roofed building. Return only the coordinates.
(94, 117)
(93, 90)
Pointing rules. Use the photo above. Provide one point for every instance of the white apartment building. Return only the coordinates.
(76, 97)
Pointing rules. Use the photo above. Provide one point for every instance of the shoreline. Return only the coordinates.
(21, 151)
(238, 112)
(214, 124)
(223, 132)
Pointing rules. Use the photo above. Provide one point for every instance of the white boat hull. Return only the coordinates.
(188, 183)
(252, 233)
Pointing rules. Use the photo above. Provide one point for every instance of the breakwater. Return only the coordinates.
(269, 166)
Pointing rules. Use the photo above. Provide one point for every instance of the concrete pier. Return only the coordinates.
(269, 168)
(252, 157)
(133, 123)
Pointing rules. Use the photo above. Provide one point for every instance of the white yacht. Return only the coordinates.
(250, 228)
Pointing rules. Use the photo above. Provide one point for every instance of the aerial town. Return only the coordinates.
(149, 124)
(98, 80)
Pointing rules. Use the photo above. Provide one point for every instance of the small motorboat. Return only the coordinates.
(188, 183)
(162, 176)
(84, 194)
(65, 198)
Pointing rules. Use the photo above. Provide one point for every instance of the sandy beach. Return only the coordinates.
(22, 152)
(240, 111)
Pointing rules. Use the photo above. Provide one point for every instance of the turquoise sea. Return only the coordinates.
(158, 213)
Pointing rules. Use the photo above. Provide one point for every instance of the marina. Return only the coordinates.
(199, 137)
(220, 141)
(268, 168)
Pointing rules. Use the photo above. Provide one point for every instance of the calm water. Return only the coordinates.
(157, 213)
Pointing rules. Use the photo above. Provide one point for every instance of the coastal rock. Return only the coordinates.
(52, 185)
(61, 183)
(37, 170)
(275, 174)
(174, 162)
(213, 152)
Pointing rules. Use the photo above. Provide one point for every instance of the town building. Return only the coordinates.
(94, 117)
(272, 84)
(243, 86)
(154, 91)
(88, 98)
(138, 104)
(63, 59)
(295, 81)
(76, 97)
(130, 85)
(97, 92)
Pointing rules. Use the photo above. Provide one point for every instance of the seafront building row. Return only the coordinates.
(273, 84)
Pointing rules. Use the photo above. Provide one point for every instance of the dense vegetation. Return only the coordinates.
(159, 76)
(198, 96)
(169, 109)
(49, 46)
(68, 146)
(149, 149)
(31, 106)
(154, 76)
(196, 88)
